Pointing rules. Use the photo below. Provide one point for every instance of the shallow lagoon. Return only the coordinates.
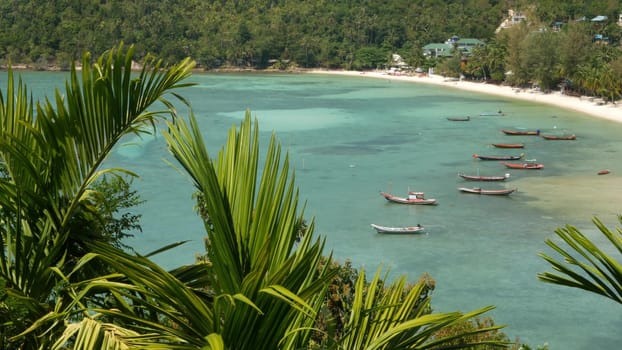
(350, 137)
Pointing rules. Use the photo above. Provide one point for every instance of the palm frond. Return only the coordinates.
(388, 318)
(54, 149)
(253, 233)
(93, 334)
(585, 265)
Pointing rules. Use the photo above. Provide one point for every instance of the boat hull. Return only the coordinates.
(481, 191)
(565, 137)
(398, 230)
(499, 157)
(508, 145)
(484, 178)
(459, 119)
(521, 132)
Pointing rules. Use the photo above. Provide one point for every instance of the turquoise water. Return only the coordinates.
(350, 137)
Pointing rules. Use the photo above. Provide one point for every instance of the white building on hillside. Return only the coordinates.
(512, 19)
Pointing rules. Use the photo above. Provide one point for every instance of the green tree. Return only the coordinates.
(370, 58)
(542, 58)
(487, 62)
(114, 197)
(575, 48)
(516, 63)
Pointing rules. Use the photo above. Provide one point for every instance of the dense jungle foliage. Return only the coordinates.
(555, 47)
(257, 33)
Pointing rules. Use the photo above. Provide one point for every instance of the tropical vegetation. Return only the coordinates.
(67, 282)
(263, 281)
(51, 152)
(531, 54)
(557, 47)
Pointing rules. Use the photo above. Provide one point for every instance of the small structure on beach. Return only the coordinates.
(398, 64)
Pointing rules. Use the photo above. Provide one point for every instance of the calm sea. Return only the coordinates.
(350, 137)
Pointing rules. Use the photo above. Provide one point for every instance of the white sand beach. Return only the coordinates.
(587, 105)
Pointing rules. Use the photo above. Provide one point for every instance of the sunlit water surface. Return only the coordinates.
(349, 137)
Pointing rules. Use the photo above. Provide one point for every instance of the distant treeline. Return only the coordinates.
(344, 34)
(249, 33)
(258, 33)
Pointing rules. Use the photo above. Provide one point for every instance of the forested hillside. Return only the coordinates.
(258, 33)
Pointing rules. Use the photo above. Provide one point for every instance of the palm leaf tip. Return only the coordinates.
(584, 265)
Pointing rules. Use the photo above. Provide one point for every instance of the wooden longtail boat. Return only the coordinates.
(521, 132)
(413, 198)
(562, 137)
(488, 114)
(509, 145)
(484, 178)
(406, 229)
(523, 165)
(476, 190)
(499, 157)
(459, 119)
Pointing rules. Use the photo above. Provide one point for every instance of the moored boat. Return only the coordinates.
(402, 229)
(412, 198)
(508, 145)
(484, 178)
(485, 114)
(499, 157)
(603, 172)
(459, 119)
(521, 132)
(523, 165)
(477, 190)
(560, 137)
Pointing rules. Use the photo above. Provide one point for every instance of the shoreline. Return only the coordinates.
(585, 104)
(592, 106)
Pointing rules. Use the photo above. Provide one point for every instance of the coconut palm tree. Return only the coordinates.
(52, 151)
(585, 265)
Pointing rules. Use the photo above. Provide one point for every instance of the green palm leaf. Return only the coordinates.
(585, 265)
